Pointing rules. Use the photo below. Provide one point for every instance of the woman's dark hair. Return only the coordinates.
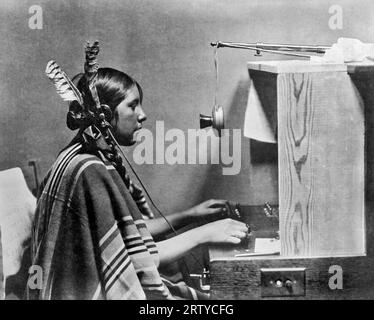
(112, 87)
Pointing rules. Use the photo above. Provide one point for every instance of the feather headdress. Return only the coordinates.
(91, 68)
(64, 86)
(86, 108)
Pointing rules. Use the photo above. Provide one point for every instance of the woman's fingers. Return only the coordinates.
(236, 231)
(239, 234)
(233, 240)
(217, 202)
(216, 210)
(238, 225)
(225, 231)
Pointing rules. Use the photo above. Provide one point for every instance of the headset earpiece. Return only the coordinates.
(107, 112)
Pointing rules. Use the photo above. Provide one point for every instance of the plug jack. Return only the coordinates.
(203, 279)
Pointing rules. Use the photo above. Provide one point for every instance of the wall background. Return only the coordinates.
(164, 44)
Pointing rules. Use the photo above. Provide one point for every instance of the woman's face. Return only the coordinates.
(128, 118)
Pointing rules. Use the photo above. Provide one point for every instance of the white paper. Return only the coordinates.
(346, 50)
(267, 245)
(17, 205)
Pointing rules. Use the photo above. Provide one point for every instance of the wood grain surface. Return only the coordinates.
(321, 165)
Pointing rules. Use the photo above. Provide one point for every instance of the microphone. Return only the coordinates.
(216, 120)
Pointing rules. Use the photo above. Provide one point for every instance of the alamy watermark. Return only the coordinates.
(197, 146)
(336, 280)
(36, 18)
(336, 18)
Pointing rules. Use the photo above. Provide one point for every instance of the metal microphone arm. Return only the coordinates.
(285, 49)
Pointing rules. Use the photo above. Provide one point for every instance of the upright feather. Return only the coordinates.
(91, 68)
(64, 86)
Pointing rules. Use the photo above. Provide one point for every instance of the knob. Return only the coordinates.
(279, 283)
(288, 284)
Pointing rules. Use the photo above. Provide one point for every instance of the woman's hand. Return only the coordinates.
(210, 210)
(207, 209)
(223, 231)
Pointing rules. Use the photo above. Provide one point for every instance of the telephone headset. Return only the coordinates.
(105, 109)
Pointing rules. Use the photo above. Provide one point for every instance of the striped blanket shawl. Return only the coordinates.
(89, 236)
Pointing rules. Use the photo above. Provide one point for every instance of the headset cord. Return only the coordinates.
(151, 200)
(216, 75)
